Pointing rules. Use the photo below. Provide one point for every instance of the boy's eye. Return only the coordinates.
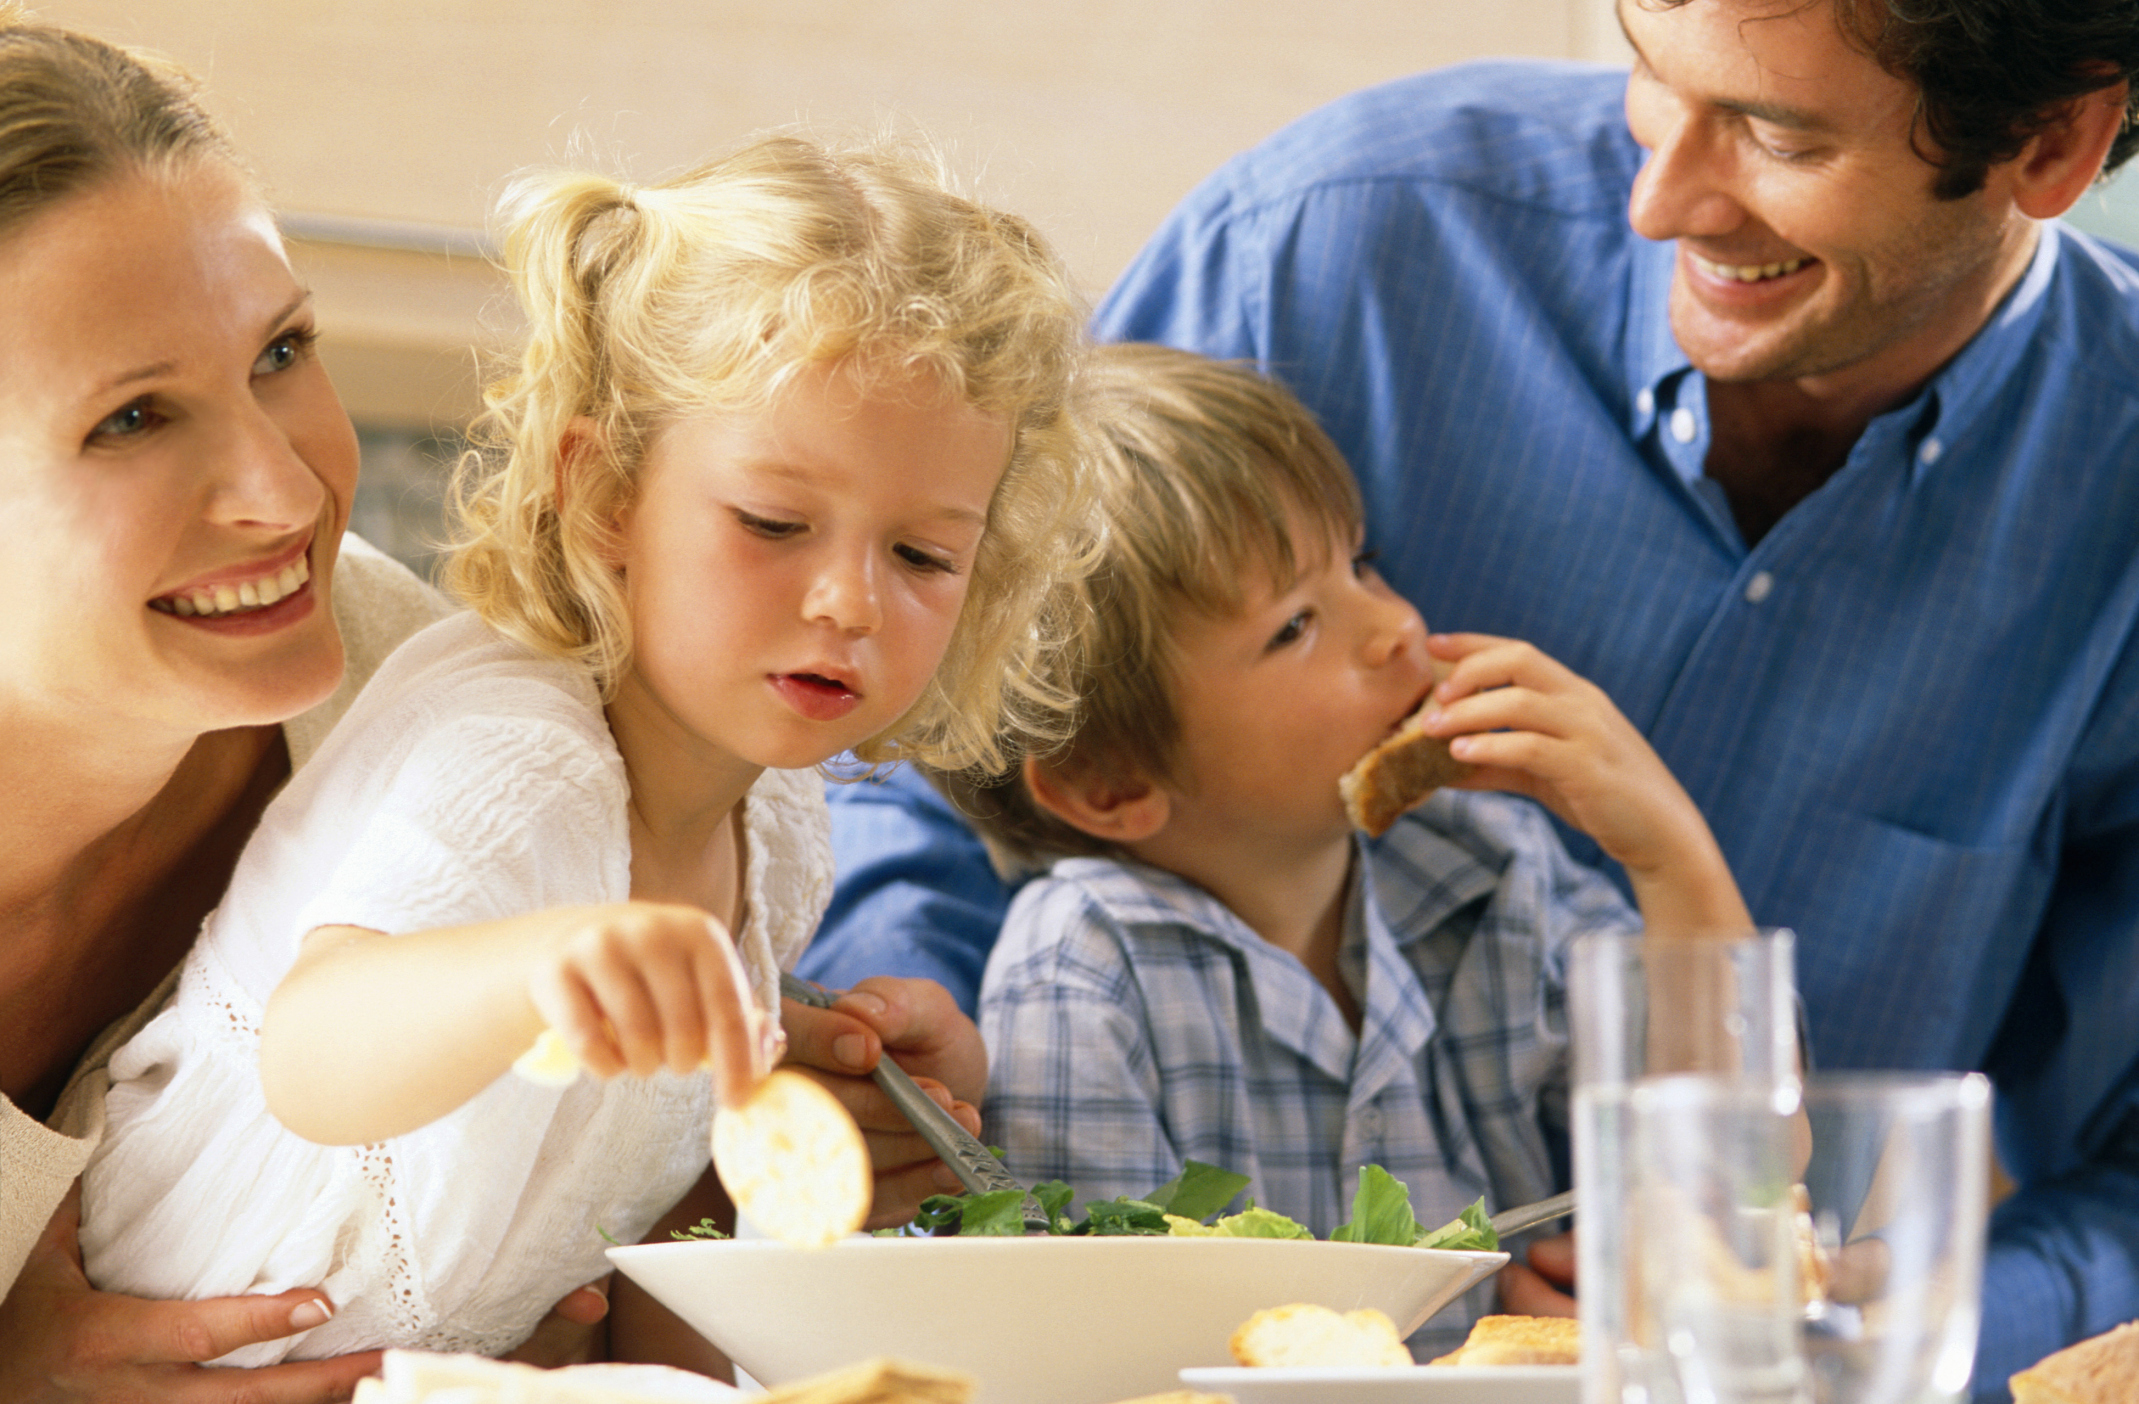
(768, 527)
(1363, 562)
(1290, 631)
(925, 561)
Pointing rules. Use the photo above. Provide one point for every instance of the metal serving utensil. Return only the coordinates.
(973, 1163)
(1524, 1216)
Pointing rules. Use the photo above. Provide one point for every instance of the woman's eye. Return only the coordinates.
(285, 351)
(135, 419)
(1290, 631)
(768, 527)
(925, 561)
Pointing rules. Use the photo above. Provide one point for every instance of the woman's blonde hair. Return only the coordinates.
(711, 292)
(1201, 469)
(76, 112)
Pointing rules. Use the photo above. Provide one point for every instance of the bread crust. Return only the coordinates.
(1397, 774)
(2102, 1369)
(1519, 1340)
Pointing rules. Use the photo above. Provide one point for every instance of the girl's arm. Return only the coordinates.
(1532, 727)
(370, 1036)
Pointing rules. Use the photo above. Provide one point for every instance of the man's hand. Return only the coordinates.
(1543, 1288)
(62, 1340)
(926, 1033)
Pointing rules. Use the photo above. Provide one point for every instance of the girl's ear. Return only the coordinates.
(1115, 808)
(580, 451)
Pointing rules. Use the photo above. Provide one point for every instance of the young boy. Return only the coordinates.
(1216, 966)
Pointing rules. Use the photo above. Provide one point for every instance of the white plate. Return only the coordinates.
(1424, 1384)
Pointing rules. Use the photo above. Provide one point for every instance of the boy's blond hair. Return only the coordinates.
(711, 292)
(1200, 467)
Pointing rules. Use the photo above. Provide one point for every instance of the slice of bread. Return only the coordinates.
(1304, 1335)
(1396, 775)
(2103, 1369)
(1519, 1340)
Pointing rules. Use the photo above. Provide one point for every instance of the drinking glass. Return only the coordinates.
(1643, 1009)
(1899, 1198)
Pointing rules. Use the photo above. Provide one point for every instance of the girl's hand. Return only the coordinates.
(921, 1027)
(639, 986)
(1532, 727)
(62, 1340)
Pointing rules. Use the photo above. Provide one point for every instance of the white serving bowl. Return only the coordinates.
(1034, 1320)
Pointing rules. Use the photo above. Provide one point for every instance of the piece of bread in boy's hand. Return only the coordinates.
(1305, 1335)
(1519, 1340)
(1396, 775)
(793, 1161)
(2103, 1369)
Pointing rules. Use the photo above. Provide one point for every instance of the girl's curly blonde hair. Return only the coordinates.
(711, 292)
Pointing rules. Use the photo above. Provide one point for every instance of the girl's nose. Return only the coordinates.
(843, 593)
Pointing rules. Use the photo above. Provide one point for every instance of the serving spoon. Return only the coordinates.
(1524, 1216)
(973, 1163)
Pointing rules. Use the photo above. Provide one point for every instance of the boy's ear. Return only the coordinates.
(1114, 808)
(2062, 160)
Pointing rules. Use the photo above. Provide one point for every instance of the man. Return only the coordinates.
(1826, 470)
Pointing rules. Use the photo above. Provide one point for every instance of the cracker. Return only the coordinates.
(793, 1161)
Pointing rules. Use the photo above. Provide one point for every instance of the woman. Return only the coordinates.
(175, 474)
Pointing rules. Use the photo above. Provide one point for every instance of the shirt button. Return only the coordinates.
(1683, 427)
(1645, 401)
(1369, 1122)
(1929, 450)
(1759, 587)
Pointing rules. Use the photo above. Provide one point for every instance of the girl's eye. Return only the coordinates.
(1290, 631)
(285, 351)
(767, 527)
(926, 562)
(1363, 562)
(132, 421)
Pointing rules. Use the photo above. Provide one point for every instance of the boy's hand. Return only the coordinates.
(926, 1033)
(1544, 1286)
(1532, 727)
(640, 986)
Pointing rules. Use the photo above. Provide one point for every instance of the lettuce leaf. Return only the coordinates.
(1469, 1231)
(1381, 1211)
(1199, 1191)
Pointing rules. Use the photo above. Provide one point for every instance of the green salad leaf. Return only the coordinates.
(1469, 1231)
(1185, 1205)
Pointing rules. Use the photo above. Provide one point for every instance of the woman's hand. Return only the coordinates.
(62, 1340)
(926, 1033)
(573, 1332)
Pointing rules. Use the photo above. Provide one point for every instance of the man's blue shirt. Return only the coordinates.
(1910, 711)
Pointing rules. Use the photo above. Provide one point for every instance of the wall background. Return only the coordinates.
(384, 129)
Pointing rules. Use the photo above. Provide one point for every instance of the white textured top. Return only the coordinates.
(472, 780)
(377, 604)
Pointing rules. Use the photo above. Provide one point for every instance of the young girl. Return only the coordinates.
(780, 475)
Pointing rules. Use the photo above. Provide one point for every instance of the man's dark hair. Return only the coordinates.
(1991, 74)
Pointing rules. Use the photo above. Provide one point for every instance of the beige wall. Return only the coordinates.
(1092, 119)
